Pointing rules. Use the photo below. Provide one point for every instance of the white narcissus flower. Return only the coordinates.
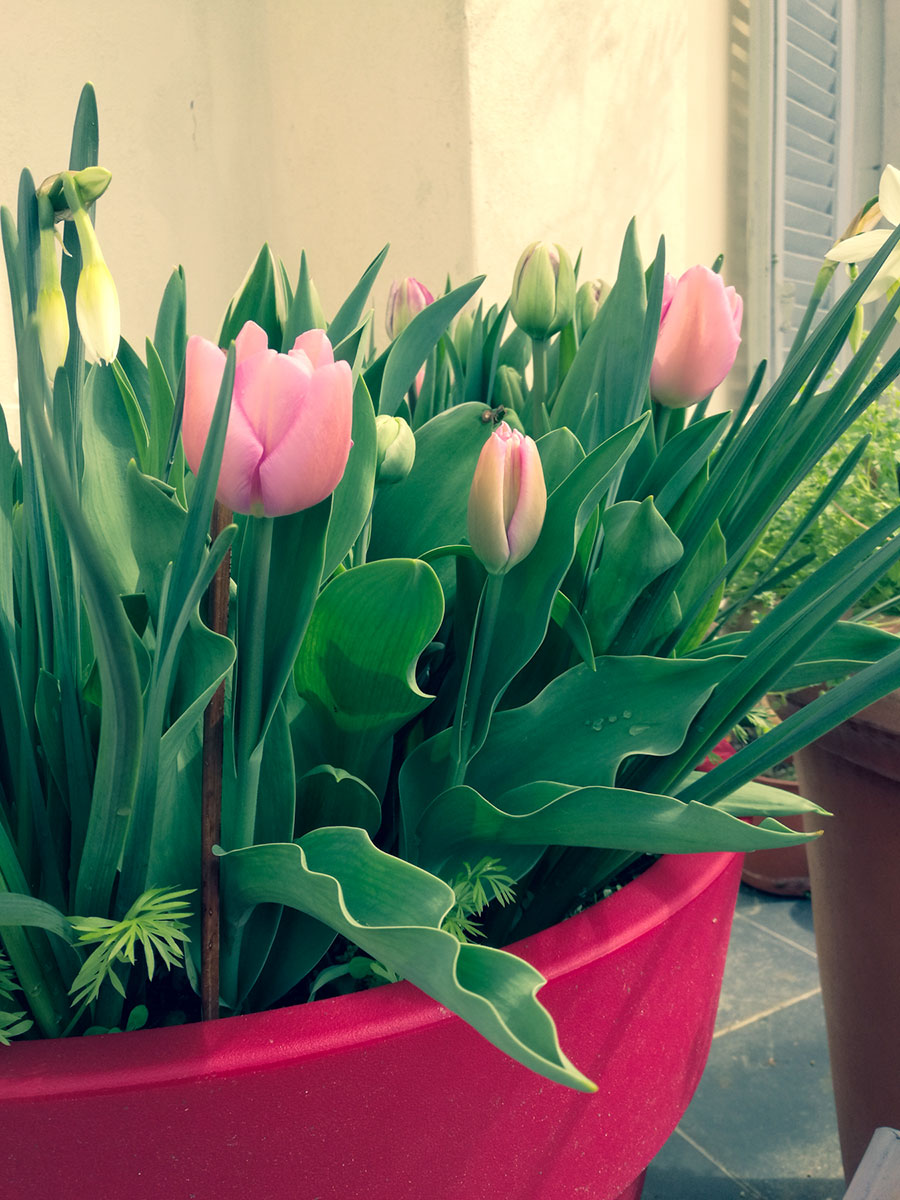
(864, 245)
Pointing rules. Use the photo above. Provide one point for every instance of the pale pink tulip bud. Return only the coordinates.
(288, 435)
(406, 300)
(507, 501)
(699, 335)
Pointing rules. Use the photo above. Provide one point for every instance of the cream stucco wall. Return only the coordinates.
(458, 130)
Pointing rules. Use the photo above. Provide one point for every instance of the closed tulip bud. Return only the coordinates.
(509, 390)
(543, 291)
(96, 299)
(405, 301)
(507, 501)
(699, 335)
(50, 309)
(462, 334)
(395, 449)
(589, 299)
(288, 436)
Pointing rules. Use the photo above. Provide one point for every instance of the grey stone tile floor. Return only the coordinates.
(761, 1125)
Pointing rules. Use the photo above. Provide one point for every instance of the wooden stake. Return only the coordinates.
(211, 789)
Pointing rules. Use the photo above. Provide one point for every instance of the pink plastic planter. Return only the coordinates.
(385, 1095)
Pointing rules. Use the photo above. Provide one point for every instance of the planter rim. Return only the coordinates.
(146, 1058)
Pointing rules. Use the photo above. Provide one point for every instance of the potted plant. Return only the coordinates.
(321, 670)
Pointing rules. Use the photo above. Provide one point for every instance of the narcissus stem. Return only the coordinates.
(211, 794)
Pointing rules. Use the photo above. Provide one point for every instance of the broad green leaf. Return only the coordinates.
(428, 508)
(393, 911)
(585, 723)
(560, 454)
(356, 666)
(637, 547)
(327, 795)
(462, 826)
(756, 799)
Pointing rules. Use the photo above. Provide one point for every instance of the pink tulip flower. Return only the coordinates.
(507, 501)
(699, 335)
(405, 301)
(288, 435)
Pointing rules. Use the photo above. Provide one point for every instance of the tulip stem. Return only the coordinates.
(256, 560)
(661, 416)
(539, 423)
(469, 704)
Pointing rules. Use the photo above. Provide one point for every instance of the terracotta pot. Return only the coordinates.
(854, 772)
(385, 1094)
(783, 871)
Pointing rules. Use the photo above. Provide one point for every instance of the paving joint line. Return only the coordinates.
(768, 1012)
(741, 1183)
(775, 934)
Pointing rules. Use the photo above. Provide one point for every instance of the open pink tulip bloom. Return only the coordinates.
(507, 501)
(288, 435)
(699, 335)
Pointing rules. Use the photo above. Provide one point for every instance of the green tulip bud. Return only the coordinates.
(589, 299)
(543, 292)
(395, 450)
(509, 389)
(462, 334)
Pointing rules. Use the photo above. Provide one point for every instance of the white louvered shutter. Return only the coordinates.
(810, 52)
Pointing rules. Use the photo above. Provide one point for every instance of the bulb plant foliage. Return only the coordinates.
(452, 714)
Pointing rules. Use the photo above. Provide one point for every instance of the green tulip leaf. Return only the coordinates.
(327, 795)
(352, 498)
(350, 313)
(560, 453)
(356, 667)
(257, 299)
(462, 826)
(585, 723)
(394, 912)
(638, 546)
(170, 334)
(428, 508)
(756, 799)
(680, 460)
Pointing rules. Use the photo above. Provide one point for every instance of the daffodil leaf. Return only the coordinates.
(394, 912)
